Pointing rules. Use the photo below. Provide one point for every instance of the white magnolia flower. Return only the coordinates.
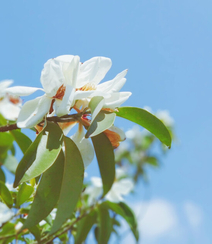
(57, 91)
(121, 187)
(5, 213)
(10, 106)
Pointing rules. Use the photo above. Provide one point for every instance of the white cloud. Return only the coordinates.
(193, 214)
(159, 218)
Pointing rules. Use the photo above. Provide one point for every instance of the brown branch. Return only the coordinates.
(63, 119)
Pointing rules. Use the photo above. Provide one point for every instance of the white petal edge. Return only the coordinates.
(84, 145)
(93, 71)
(52, 77)
(22, 90)
(33, 112)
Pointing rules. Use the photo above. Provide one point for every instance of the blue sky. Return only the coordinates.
(166, 45)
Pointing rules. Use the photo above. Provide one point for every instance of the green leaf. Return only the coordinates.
(6, 140)
(7, 229)
(72, 184)
(2, 175)
(148, 121)
(106, 160)
(96, 105)
(105, 225)
(41, 154)
(152, 161)
(102, 122)
(47, 194)
(84, 226)
(36, 232)
(6, 195)
(22, 140)
(123, 210)
(24, 193)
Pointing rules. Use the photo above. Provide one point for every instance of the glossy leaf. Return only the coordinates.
(47, 194)
(148, 121)
(123, 210)
(102, 122)
(72, 184)
(2, 175)
(96, 105)
(41, 154)
(5, 195)
(106, 160)
(84, 226)
(24, 193)
(22, 140)
(105, 225)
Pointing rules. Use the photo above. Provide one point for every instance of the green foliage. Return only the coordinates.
(22, 140)
(148, 121)
(25, 191)
(84, 226)
(105, 225)
(106, 160)
(72, 184)
(41, 154)
(5, 195)
(47, 193)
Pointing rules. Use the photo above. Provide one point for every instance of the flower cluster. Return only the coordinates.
(70, 85)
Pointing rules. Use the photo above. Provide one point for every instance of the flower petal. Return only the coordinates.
(9, 110)
(93, 71)
(123, 186)
(70, 67)
(52, 77)
(22, 90)
(116, 99)
(113, 196)
(33, 112)
(62, 107)
(115, 135)
(84, 145)
(115, 84)
(4, 84)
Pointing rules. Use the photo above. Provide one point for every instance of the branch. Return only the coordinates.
(67, 228)
(63, 119)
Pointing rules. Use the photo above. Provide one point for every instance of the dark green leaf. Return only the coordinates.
(105, 225)
(123, 210)
(2, 175)
(47, 194)
(41, 154)
(106, 160)
(24, 193)
(5, 195)
(148, 121)
(71, 185)
(102, 122)
(84, 226)
(36, 232)
(22, 140)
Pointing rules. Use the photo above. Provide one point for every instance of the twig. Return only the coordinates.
(63, 119)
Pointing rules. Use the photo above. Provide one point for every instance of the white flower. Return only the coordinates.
(84, 145)
(5, 213)
(121, 187)
(10, 106)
